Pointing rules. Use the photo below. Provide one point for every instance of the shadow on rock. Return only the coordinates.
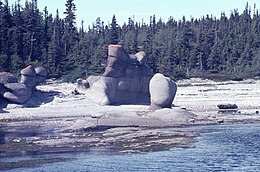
(3, 104)
(39, 97)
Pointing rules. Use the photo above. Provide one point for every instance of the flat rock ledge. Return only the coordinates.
(126, 139)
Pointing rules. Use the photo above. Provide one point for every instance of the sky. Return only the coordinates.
(141, 10)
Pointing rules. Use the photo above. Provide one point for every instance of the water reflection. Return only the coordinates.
(220, 148)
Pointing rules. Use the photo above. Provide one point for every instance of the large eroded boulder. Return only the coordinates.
(162, 91)
(41, 74)
(17, 92)
(103, 90)
(11, 90)
(6, 77)
(117, 61)
(28, 77)
(125, 80)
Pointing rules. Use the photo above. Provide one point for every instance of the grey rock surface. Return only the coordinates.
(11, 90)
(125, 80)
(28, 77)
(162, 91)
(41, 74)
(17, 92)
(6, 77)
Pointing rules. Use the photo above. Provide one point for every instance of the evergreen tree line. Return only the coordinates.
(227, 47)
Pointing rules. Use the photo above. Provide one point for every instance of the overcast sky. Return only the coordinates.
(141, 10)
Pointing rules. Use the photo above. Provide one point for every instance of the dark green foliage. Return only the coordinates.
(224, 48)
(113, 33)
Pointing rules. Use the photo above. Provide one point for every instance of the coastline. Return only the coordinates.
(55, 120)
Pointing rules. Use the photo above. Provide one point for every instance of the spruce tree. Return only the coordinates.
(113, 34)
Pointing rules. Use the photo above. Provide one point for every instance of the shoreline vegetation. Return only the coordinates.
(223, 48)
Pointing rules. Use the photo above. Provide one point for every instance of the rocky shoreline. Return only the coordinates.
(54, 120)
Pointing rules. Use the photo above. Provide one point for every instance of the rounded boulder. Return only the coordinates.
(162, 91)
(41, 74)
(28, 71)
(141, 57)
(28, 77)
(6, 77)
(17, 92)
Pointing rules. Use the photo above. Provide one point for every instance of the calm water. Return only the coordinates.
(220, 148)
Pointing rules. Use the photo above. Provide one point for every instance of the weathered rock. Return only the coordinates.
(141, 57)
(2, 89)
(117, 61)
(28, 71)
(6, 77)
(18, 93)
(41, 71)
(227, 106)
(125, 80)
(41, 74)
(28, 77)
(103, 90)
(92, 79)
(108, 90)
(175, 115)
(82, 85)
(162, 91)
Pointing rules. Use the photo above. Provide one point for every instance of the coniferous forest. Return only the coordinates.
(223, 47)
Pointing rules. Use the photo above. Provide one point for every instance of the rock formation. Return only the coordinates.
(6, 77)
(17, 92)
(13, 91)
(28, 77)
(125, 80)
(41, 74)
(162, 91)
(82, 85)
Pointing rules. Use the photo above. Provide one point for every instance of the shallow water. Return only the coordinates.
(220, 148)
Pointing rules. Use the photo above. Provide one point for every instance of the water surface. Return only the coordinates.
(220, 148)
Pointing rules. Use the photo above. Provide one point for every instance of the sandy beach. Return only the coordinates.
(55, 120)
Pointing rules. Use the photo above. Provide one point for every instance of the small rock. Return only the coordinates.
(82, 85)
(220, 121)
(227, 106)
(17, 140)
(14, 106)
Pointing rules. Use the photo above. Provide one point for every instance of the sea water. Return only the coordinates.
(219, 148)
